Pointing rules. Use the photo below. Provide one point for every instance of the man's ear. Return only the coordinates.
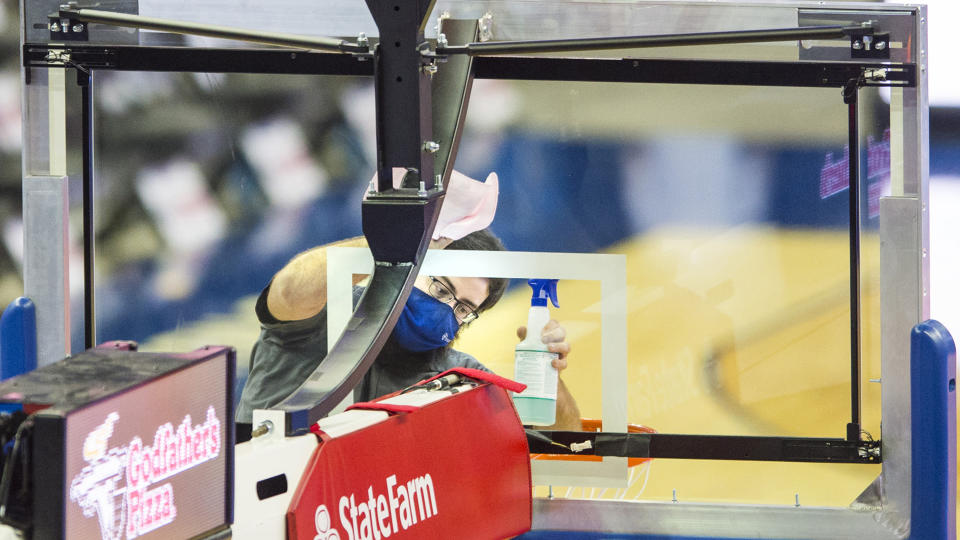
(440, 243)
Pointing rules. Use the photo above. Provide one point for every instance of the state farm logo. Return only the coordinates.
(321, 519)
(380, 515)
(118, 484)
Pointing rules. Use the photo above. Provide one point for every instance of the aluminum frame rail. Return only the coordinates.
(625, 70)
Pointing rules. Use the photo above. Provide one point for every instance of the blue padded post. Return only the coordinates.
(933, 414)
(18, 338)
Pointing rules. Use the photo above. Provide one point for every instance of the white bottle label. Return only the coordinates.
(534, 369)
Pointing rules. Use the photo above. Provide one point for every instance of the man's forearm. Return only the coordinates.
(568, 413)
(299, 290)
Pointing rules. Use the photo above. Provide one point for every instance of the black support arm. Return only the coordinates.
(398, 223)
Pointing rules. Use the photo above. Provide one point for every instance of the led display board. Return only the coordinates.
(151, 459)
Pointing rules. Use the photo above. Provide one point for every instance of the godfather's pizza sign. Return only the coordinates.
(128, 488)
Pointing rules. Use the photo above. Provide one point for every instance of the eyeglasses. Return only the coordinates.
(463, 312)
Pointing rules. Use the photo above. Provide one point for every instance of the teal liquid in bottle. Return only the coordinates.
(533, 362)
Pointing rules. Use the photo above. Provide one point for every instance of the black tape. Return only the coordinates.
(633, 445)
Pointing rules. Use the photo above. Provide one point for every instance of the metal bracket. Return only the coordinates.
(870, 46)
(363, 42)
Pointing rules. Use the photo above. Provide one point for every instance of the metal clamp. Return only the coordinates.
(870, 452)
(875, 74)
(486, 26)
(80, 57)
(57, 57)
(430, 69)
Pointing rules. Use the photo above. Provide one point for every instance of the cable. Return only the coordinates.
(8, 471)
(576, 447)
(440, 383)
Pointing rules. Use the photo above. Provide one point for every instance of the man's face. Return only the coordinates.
(463, 294)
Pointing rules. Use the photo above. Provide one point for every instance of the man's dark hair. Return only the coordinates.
(484, 240)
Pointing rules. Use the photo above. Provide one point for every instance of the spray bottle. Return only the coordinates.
(533, 362)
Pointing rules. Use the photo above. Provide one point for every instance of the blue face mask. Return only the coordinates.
(425, 323)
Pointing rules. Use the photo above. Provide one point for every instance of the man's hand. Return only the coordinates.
(554, 337)
(440, 243)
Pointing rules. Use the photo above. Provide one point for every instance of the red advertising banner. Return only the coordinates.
(455, 468)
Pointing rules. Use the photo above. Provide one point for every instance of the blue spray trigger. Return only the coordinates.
(543, 289)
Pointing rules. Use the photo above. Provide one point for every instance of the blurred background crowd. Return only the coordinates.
(206, 183)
